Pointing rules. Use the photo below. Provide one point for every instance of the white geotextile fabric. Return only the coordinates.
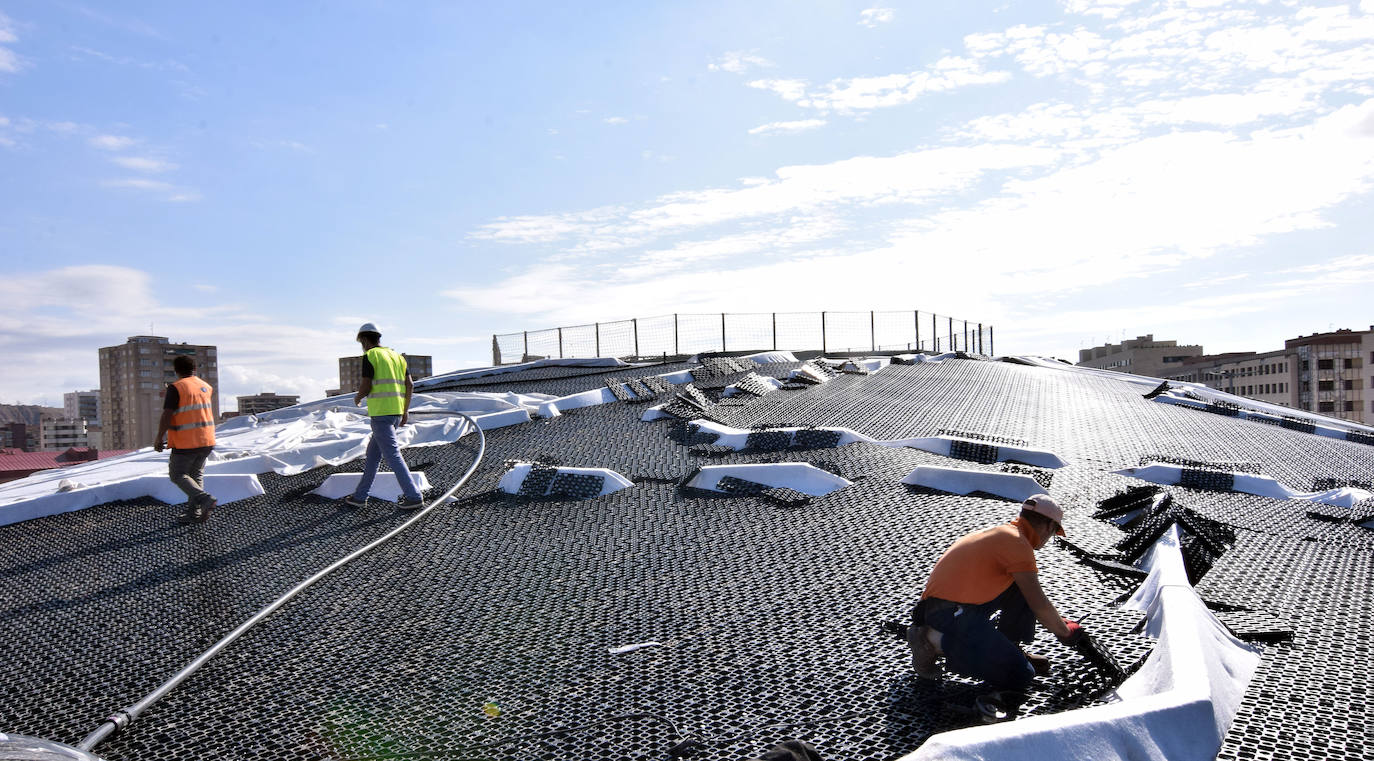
(1177, 707)
(224, 488)
(286, 441)
(771, 357)
(959, 481)
(385, 486)
(1183, 394)
(1248, 483)
(797, 476)
(613, 482)
(555, 406)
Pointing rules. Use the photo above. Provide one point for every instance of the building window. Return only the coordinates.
(1326, 406)
(1348, 384)
(1349, 406)
(1326, 385)
(1352, 362)
(1326, 364)
(1305, 365)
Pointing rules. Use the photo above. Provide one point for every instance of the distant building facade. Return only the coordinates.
(1142, 355)
(351, 371)
(20, 436)
(133, 381)
(63, 433)
(82, 405)
(266, 401)
(1332, 370)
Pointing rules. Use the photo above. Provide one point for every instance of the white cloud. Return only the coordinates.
(616, 120)
(144, 163)
(867, 93)
(737, 62)
(9, 60)
(138, 183)
(873, 17)
(112, 142)
(773, 128)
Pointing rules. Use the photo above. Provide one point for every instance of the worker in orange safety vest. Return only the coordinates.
(188, 424)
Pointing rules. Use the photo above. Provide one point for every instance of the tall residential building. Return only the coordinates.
(265, 402)
(1268, 377)
(133, 382)
(351, 370)
(82, 405)
(1142, 355)
(21, 436)
(63, 433)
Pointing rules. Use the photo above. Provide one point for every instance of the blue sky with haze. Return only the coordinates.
(265, 176)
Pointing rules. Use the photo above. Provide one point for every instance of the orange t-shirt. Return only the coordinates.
(979, 566)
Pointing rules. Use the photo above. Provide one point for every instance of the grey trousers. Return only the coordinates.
(186, 468)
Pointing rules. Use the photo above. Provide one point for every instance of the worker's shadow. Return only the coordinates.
(324, 526)
(917, 708)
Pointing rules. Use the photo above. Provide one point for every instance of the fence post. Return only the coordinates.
(991, 349)
(953, 345)
(823, 350)
(597, 330)
(495, 351)
(980, 338)
(722, 332)
(916, 317)
(675, 350)
(965, 335)
(635, 320)
(560, 343)
(775, 331)
(872, 333)
(934, 333)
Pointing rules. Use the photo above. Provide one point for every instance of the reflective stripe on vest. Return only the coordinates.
(388, 373)
(193, 422)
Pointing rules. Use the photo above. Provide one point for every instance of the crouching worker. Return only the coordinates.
(982, 574)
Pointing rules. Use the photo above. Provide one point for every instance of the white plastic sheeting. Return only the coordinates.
(285, 441)
(797, 476)
(558, 405)
(771, 357)
(958, 481)
(1264, 486)
(1177, 707)
(385, 486)
(613, 482)
(224, 488)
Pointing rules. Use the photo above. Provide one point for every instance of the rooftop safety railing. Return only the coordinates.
(684, 334)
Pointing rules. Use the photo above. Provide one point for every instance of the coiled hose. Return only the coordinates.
(125, 716)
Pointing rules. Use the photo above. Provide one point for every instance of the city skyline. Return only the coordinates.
(265, 179)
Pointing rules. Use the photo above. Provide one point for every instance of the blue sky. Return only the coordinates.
(265, 176)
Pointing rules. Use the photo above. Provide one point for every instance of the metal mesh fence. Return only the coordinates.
(681, 334)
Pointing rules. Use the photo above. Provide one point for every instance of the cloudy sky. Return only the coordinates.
(264, 176)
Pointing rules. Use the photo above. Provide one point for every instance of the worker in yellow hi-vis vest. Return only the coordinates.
(387, 387)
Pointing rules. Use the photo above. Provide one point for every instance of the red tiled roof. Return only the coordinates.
(17, 460)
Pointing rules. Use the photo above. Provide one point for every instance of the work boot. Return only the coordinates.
(410, 503)
(1041, 663)
(199, 512)
(925, 659)
(353, 501)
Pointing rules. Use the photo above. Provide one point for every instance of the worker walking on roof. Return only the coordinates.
(387, 386)
(979, 575)
(188, 424)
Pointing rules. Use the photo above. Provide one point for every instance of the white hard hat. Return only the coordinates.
(369, 327)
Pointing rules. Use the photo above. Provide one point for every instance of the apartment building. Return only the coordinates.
(266, 401)
(1268, 377)
(133, 381)
(1333, 373)
(351, 371)
(82, 405)
(1142, 355)
(63, 433)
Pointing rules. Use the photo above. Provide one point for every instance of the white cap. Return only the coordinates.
(1045, 505)
(369, 327)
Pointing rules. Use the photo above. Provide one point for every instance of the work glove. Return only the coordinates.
(1076, 633)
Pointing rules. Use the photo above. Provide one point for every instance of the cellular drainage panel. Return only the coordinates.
(484, 631)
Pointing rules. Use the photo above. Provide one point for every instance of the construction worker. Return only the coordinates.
(188, 424)
(387, 387)
(981, 574)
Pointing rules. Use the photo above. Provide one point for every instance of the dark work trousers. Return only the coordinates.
(976, 647)
(381, 446)
(186, 468)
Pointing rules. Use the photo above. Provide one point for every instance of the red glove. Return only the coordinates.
(1075, 635)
